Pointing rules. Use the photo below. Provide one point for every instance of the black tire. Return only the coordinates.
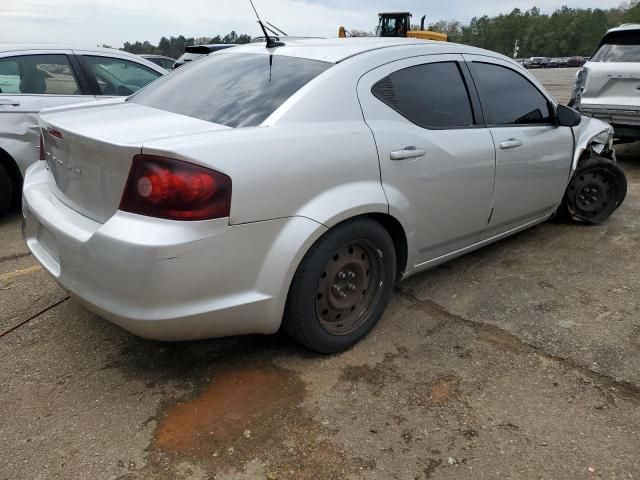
(6, 190)
(358, 253)
(597, 188)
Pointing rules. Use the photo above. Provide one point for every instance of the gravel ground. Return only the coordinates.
(517, 361)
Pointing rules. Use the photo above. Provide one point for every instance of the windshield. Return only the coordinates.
(236, 90)
(619, 47)
(392, 26)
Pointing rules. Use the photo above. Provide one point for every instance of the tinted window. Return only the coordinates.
(508, 98)
(116, 76)
(432, 95)
(237, 90)
(38, 74)
(619, 47)
(188, 57)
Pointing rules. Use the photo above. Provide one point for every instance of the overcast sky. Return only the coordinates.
(112, 22)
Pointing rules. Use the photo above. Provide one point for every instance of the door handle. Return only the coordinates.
(8, 101)
(511, 143)
(407, 153)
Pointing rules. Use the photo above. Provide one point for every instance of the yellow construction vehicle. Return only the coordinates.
(398, 24)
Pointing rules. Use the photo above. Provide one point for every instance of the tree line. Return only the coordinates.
(174, 46)
(565, 32)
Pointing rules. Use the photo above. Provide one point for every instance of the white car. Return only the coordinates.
(608, 85)
(33, 77)
(301, 182)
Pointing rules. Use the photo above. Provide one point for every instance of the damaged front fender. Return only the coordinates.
(592, 135)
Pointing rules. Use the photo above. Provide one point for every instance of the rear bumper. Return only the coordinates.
(168, 280)
(612, 116)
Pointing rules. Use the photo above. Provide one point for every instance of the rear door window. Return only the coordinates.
(119, 77)
(38, 75)
(508, 98)
(619, 47)
(236, 90)
(431, 95)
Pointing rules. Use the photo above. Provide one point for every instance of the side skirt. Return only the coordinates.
(457, 253)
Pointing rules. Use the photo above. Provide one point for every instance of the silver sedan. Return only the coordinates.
(294, 186)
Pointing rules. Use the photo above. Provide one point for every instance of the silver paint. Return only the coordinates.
(322, 157)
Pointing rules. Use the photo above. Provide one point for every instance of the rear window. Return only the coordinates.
(236, 90)
(619, 47)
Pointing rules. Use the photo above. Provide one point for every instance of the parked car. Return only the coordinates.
(555, 63)
(180, 216)
(164, 62)
(607, 87)
(574, 62)
(193, 52)
(538, 62)
(33, 77)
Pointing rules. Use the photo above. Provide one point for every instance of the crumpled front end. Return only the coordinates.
(593, 136)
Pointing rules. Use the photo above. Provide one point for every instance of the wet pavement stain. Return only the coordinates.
(249, 415)
(442, 390)
(231, 413)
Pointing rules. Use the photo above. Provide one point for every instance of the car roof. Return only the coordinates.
(153, 55)
(25, 47)
(625, 27)
(335, 50)
(12, 47)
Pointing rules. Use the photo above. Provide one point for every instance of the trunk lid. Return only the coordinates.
(89, 151)
(612, 85)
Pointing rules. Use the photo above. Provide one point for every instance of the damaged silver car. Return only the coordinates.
(328, 171)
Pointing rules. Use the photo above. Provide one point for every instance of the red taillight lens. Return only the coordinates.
(168, 188)
(42, 157)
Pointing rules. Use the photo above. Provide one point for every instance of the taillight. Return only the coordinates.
(174, 189)
(42, 156)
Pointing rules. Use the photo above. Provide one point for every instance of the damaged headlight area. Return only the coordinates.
(593, 137)
(602, 144)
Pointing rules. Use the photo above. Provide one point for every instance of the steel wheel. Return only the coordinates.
(596, 190)
(593, 192)
(341, 286)
(349, 287)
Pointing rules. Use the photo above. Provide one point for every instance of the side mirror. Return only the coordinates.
(567, 116)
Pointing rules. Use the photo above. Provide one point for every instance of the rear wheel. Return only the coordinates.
(6, 190)
(341, 287)
(595, 191)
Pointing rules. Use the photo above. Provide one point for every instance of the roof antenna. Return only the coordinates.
(271, 42)
(273, 26)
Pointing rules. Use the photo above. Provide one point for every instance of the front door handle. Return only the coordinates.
(511, 143)
(407, 153)
(8, 101)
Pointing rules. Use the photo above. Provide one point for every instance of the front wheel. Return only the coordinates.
(597, 188)
(341, 286)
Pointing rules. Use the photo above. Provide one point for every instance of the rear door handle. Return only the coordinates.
(511, 143)
(407, 153)
(8, 101)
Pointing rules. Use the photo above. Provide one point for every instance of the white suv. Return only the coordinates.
(608, 86)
